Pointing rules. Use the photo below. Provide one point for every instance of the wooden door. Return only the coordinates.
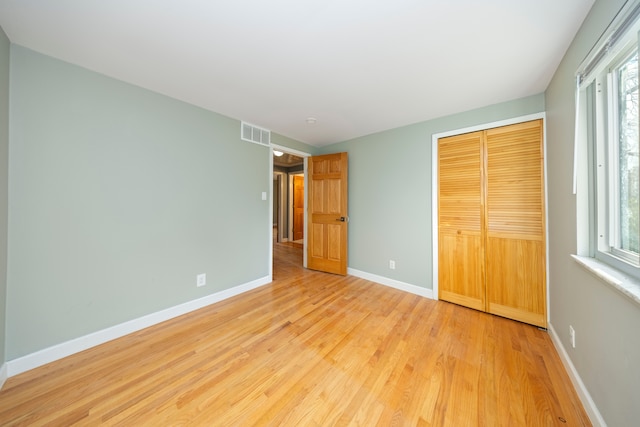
(491, 221)
(460, 220)
(298, 207)
(515, 243)
(327, 218)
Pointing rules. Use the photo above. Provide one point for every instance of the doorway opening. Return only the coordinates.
(288, 202)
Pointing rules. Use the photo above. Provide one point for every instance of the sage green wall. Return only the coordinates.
(390, 192)
(4, 171)
(118, 198)
(607, 352)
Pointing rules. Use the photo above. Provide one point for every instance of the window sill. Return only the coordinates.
(626, 285)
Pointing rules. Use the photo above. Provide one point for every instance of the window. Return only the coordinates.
(607, 121)
(627, 136)
(619, 114)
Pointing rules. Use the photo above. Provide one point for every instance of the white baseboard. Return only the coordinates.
(588, 403)
(407, 287)
(56, 352)
(4, 375)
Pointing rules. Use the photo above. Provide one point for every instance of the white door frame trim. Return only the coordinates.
(305, 156)
(434, 186)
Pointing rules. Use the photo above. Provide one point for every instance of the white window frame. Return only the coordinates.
(590, 175)
(597, 123)
(607, 167)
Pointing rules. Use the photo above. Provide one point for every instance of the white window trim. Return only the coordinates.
(612, 272)
(608, 265)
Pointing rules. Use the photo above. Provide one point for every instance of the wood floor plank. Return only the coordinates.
(308, 349)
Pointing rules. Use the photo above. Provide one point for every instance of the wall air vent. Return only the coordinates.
(255, 134)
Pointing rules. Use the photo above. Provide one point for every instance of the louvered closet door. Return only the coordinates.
(491, 245)
(460, 218)
(515, 244)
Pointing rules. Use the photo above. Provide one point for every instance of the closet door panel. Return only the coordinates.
(461, 270)
(460, 218)
(515, 263)
(516, 280)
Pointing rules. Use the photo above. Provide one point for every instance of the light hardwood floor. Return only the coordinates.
(310, 349)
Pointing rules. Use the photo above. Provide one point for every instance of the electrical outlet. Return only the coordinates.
(572, 336)
(201, 279)
(392, 264)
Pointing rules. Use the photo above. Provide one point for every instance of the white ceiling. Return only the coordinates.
(357, 66)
